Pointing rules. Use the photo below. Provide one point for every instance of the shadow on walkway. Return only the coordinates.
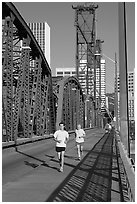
(91, 179)
(33, 165)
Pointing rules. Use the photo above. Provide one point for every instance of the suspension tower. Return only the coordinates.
(85, 45)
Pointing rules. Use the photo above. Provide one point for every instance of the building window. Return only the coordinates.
(43, 26)
(67, 72)
(58, 73)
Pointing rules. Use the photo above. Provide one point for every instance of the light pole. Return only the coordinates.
(116, 91)
(114, 61)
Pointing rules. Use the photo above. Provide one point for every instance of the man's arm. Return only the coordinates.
(55, 137)
(84, 134)
(67, 138)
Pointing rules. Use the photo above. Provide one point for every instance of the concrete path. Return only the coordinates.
(88, 180)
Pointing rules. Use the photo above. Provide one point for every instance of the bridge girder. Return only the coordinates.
(28, 102)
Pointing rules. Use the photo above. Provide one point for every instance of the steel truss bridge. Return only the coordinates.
(31, 104)
(34, 102)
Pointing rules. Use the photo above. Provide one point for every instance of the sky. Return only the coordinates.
(60, 17)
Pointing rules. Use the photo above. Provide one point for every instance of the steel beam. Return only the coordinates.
(124, 121)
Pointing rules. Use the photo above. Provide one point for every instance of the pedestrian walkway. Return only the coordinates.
(91, 180)
(94, 178)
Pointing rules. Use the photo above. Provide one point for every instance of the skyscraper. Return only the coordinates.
(103, 83)
(41, 32)
(82, 80)
(130, 93)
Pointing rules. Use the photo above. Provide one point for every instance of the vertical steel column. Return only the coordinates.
(4, 122)
(99, 67)
(51, 108)
(42, 108)
(38, 99)
(21, 79)
(26, 43)
(67, 107)
(47, 106)
(64, 108)
(77, 106)
(116, 96)
(77, 56)
(32, 113)
(71, 105)
(45, 91)
(8, 71)
(95, 101)
(82, 112)
(124, 121)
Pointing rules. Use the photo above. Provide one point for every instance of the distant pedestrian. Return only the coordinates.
(80, 134)
(108, 127)
(61, 137)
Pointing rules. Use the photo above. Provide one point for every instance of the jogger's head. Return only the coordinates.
(61, 125)
(79, 126)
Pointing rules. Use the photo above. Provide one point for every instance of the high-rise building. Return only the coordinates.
(41, 32)
(131, 79)
(62, 72)
(102, 83)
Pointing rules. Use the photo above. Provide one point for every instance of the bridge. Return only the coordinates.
(33, 104)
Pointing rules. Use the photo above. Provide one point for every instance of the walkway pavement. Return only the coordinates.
(95, 178)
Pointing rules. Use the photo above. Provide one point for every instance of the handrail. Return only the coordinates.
(24, 141)
(129, 171)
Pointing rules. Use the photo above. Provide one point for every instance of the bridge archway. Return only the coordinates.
(70, 104)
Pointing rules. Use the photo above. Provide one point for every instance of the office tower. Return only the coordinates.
(62, 72)
(102, 83)
(131, 79)
(41, 32)
(82, 80)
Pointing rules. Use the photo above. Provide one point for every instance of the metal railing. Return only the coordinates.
(126, 171)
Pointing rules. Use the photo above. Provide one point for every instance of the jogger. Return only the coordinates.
(61, 137)
(80, 134)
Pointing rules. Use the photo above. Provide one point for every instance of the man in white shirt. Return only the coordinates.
(80, 134)
(61, 137)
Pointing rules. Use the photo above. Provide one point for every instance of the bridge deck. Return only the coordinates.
(95, 178)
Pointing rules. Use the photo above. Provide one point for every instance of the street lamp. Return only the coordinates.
(116, 89)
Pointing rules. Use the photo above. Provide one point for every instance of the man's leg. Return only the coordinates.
(62, 160)
(81, 148)
(78, 149)
(59, 157)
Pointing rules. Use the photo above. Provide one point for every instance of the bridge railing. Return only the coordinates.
(128, 179)
(34, 139)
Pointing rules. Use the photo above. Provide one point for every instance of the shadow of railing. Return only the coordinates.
(91, 179)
